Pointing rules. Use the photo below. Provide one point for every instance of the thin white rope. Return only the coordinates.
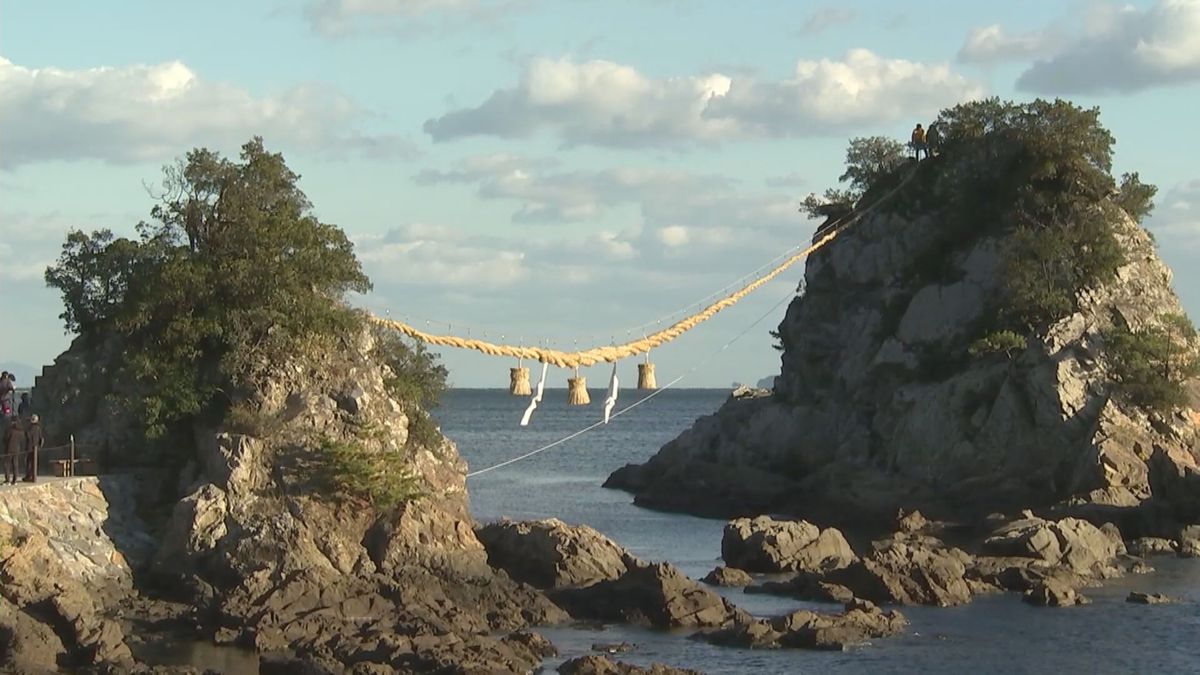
(640, 401)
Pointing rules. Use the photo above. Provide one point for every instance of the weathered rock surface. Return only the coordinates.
(657, 595)
(910, 570)
(1052, 593)
(552, 554)
(1149, 546)
(805, 586)
(878, 405)
(861, 621)
(764, 544)
(1069, 543)
(48, 617)
(598, 665)
(1189, 542)
(728, 576)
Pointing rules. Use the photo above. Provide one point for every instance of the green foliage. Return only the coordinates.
(870, 162)
(833, 204)
(233, 274)
(871, 159)
(1046, 268)
(1150, 366)
(998, 342)
(357, 473)
(1135, 197)
(417, 381)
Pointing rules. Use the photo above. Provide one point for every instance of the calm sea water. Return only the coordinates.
(996, 634)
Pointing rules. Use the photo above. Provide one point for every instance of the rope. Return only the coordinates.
(640, 401)
(609, 354)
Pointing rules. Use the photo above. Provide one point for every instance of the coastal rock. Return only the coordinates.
(1074, 544)
(880, 405)
(764, 544)
(38, 593)
(552, 554)
(909, 570)
(728, 576)
(805, 586)
(1051, 593)
(1150, 546)
(860, 622)
(1138, 598)
(657, 595)
(598, 665)
(1189, 542)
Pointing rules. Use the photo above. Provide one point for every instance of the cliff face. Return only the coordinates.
(878, 406)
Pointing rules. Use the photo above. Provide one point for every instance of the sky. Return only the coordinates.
(569, 173)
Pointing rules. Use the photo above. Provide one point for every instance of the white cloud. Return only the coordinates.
(673, 235)
(1124, 50)
(431, 255)
(610, 104)
(991, 44)
(551, 196)
(826, 17)
(339, 18)
(155, 112)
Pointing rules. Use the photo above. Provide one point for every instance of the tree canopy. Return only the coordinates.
(232, 273)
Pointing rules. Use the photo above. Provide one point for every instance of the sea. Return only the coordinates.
(993, 634)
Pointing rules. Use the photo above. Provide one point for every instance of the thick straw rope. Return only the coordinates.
(590, 357)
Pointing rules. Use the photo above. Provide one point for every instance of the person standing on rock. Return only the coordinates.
(34, 440)
(918, 142)
(933, 140)
(24, 406)
(14, 444)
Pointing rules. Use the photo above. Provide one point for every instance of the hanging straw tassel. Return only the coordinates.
(646, 380)
(518, 381)
(577, 393)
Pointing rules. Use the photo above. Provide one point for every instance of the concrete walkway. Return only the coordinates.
(40, 481)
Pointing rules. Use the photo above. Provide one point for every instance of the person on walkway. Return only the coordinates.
(933, 140)
(918, 142)
(34, 440)
(23, 408)
(14, 444)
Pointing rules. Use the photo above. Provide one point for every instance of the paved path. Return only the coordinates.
(41, 480)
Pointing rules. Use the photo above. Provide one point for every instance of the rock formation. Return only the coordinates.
(878, 405)
(274, 557)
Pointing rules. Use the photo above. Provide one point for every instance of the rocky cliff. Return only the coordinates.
(265, 549)
(878, 405)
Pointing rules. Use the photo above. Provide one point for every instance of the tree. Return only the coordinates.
(232, 275)
(1136, 197)
(870, 159)
(1150, 366)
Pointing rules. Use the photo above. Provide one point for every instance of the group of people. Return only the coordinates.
(22, 432)
(928, 141)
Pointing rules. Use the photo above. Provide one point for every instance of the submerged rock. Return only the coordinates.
(1139, 598)
(861, 621)
(764, 544)
(598, 665)
(728, 576)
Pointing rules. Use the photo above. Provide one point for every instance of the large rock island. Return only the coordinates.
(979, 339)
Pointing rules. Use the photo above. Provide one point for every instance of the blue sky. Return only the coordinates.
(556, 172)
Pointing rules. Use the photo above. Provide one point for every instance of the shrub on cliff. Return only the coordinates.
(232, 274)
(1150, 366)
